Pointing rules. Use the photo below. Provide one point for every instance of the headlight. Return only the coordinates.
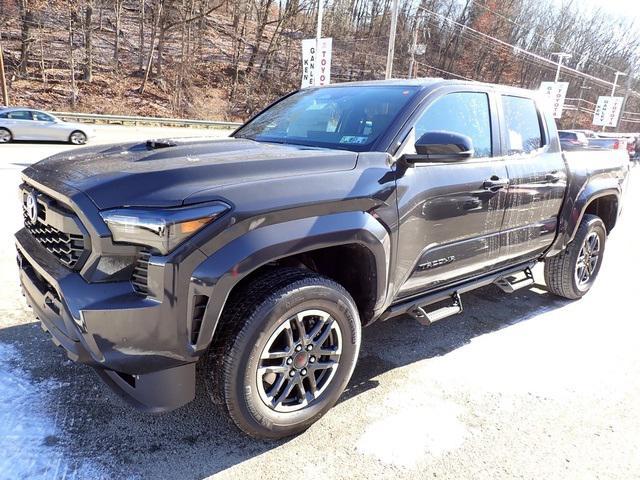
(162, 229)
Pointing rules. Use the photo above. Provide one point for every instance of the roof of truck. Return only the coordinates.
(424, 82)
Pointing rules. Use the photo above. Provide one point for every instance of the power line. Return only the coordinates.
(515, 47)
(510, 20)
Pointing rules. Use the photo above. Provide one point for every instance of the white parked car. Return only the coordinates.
(28, 124)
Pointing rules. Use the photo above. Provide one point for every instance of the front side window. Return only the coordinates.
(466, 113)
(522, 123)
(42, 117)
(348, 118)
(19, 115)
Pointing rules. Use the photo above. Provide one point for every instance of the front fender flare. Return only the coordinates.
(219, 273)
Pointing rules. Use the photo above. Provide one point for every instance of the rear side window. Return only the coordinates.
(568, 135)
(466, 113)
(522, 123)
(19, 115)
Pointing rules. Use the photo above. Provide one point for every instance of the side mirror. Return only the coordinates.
(442, 147)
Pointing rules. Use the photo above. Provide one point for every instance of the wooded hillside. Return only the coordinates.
(221, 59)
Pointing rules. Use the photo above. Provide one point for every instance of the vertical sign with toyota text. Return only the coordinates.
(554, 94)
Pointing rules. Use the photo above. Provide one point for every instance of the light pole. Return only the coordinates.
(561, 56)
(615, 82)
(392, 39)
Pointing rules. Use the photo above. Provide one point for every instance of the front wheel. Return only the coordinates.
(78, 138)
(571, 274)
(288, 346)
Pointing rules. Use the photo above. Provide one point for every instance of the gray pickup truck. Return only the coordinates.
(260, 257)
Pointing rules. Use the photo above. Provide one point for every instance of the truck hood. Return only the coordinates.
(164, 173)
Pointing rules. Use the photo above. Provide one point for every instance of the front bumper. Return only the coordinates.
(134, 342)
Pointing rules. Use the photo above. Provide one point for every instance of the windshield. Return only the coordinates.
(348, 118)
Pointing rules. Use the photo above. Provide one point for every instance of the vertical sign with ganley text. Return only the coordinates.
(316, 62)
(607, 111)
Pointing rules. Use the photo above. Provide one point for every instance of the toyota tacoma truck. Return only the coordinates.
(260, 257)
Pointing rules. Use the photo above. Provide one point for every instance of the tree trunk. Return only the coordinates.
(26, 20)
(88, 42)
(141, 51)
(116, 45)
(71, 63)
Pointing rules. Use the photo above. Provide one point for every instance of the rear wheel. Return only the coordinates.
(571, 274)
(78, 138)
(5, 135)
(287, 347)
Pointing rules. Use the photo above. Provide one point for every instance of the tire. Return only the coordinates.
(5, 135)
(77, 138)
(261, 319)
(562, 272)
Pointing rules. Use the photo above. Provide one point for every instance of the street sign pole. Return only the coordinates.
(319, 26)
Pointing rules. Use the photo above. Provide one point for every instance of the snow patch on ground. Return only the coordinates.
(408, 437)
(31, 444)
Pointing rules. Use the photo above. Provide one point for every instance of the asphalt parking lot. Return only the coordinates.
(519, 386)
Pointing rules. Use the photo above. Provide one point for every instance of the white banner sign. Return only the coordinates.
(555, 93)
(607, 111)
(316, 62)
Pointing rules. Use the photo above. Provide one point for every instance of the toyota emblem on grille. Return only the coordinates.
(32, 207)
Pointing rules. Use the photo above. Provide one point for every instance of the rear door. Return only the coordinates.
(537, 175)
(450, 218)
(21, 124)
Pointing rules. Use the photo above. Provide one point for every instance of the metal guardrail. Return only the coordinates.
(124, 119)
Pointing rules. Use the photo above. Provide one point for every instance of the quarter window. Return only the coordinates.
(522, 123)
(466, 113)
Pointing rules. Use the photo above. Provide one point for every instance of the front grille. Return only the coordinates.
(140, 272)
(68, 245)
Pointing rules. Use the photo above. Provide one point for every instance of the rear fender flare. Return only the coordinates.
(573, 211)
(220, 272)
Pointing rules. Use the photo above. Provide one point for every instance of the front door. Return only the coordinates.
(451, 213)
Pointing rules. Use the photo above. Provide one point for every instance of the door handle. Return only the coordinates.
(552, 177)
(495, 183)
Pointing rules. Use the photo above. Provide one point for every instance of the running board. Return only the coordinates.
(427, 318)
(411, 304)
(511, 283)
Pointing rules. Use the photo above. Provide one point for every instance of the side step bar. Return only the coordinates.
(511, 283)
(427, 318)
(415, 306)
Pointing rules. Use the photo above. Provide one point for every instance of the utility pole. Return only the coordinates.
(3, 80)
(561, 56)
(624, 100)
(414, 45)
(392, 39)
(582, 89)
